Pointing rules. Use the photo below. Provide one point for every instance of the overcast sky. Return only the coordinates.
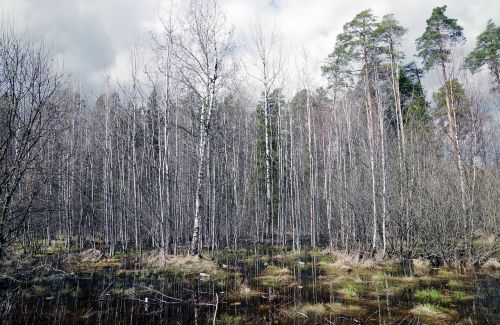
(90, 36)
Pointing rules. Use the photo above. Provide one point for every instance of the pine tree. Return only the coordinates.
(487, 52)
(435, 46)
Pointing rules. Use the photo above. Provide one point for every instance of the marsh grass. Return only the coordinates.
(432, 296)
(461, 296)
(321, 309)
(230, 319)
(274, 276)
(446, 274)
(454, 284)
(351, 289)
(37, 289)
(433, 314)
(288, 256)
(72, 293)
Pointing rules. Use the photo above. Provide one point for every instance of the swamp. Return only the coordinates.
(249, 162)
(253, 285)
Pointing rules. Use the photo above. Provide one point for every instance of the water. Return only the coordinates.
(106, 298)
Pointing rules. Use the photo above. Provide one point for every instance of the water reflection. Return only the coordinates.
(309, 297)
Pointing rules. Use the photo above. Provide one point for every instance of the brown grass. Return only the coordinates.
(349, 262)
(491, 264)
(319, 309)
(180, 264)
(420, 264)
(274, 276)
(432, 314)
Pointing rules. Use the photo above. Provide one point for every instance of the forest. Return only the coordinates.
(185, 166)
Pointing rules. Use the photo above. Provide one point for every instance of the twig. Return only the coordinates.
(106, 289)
(196, 291)
(301, 314)
(216, 306)
(158, 292)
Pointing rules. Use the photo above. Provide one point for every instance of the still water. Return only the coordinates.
(312, 296)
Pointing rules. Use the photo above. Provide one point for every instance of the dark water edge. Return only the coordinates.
(108, 297)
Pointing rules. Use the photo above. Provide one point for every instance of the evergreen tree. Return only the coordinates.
(413, 101)
(487, 52)
(435, 48)
(441, 34)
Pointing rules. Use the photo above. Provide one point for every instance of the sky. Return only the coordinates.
(91, 38)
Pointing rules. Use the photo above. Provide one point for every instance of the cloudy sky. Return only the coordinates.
(92, 36)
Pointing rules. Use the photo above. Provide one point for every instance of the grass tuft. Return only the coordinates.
(431, 312)
(432, 296)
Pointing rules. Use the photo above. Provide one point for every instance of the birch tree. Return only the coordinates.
(268, 64)
(201, 46)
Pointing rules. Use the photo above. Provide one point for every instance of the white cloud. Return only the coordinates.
(91, 35)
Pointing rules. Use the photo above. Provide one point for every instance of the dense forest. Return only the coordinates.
(186, 157)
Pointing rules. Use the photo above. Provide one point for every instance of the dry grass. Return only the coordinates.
(180, 264)
(349, 262)
(491, 264)
(433, 314)
(90, 260)
(245, 292)
(420, 264)
(326, 309)
(289, 256)
(274, 276)
(90, 255)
